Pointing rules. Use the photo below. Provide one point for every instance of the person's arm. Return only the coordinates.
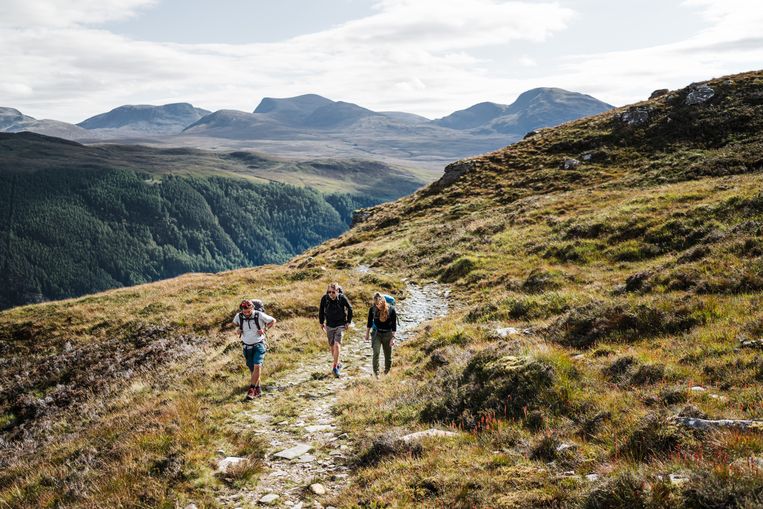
(393, 317)
(368, 323)
(237, 323)
(322, 313)
(348, 306)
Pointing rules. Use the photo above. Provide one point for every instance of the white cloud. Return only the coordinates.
(61, 13)
(414, 55)
(732, 43)
(379, 61)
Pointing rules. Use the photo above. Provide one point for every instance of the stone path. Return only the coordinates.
(306, 449)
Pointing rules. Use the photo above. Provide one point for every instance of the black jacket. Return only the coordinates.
(332, 311)
(388, 325)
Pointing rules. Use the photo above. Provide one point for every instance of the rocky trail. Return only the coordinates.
(307, 458)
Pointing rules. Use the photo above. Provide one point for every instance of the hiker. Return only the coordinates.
(382, 318)
(336, 311)
(252, 322)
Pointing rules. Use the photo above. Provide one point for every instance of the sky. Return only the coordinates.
(71, 59)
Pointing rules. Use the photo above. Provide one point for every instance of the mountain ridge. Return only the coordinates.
(315, 126)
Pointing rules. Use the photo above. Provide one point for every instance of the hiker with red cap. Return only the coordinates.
(252, 322)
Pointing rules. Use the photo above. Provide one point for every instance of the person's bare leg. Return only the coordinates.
(255, 375)
(335, 351)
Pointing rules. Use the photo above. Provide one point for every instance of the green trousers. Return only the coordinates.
(381, 340)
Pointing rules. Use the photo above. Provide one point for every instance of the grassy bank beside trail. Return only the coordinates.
(124, 398)
(627, 260)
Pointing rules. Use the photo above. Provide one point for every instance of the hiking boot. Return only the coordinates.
(258, 392)
(251, 393)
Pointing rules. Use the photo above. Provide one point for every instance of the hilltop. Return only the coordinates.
(145, 119)
(604, 321)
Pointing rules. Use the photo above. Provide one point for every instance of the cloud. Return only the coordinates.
(423, 56)
(76, 70)
(61, 13)
(730, 44)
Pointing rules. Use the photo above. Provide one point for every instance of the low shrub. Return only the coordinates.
(654, 436)
(722, 488)
(648, 374)
(584, 326)
(619, 368)
(388, 446)
(541, 280)
(623, 491)
(458, 269)
(496, 385)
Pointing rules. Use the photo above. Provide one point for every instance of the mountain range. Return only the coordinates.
(313, 126)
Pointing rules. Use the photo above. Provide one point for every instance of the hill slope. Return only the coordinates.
(606, 283)
(82, 219)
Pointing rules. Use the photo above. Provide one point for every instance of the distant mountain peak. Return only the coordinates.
(146, 118)
(537, 107)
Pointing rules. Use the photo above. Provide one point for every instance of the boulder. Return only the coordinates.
(570, 164)
(318, 489)
(698, 94)
(659, 93)
(635, 116)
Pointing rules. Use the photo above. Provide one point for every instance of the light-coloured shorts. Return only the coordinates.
(334, 334)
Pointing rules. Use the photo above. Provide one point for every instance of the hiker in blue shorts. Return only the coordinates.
(252, 322)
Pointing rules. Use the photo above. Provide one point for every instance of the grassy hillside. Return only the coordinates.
(606, 279)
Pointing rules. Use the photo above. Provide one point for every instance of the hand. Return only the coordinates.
(323, 326)
(393, 342)
(367, 338)
(260, 332)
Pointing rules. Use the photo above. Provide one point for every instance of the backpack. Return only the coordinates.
(390, 300)
(336, 301)
(258, 307)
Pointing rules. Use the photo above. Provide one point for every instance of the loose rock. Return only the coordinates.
(269, 499)
(428, 433)
(318, 489)
(228, 462)
(294, 452)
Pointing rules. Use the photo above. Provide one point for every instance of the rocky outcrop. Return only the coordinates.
(698, 94)
(635, 116)
(360, 216)
(453, 172)
(713, 424)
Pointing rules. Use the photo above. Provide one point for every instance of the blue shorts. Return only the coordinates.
(254, 354)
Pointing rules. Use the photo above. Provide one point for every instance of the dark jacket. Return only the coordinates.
(332, 311)
(389, 325)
